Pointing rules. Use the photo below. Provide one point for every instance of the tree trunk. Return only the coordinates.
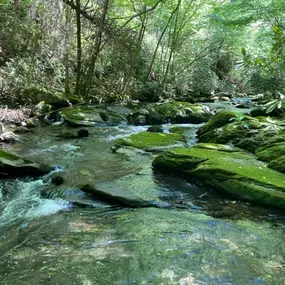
(173, 42)
(97, 48)
(66, 56)
(160, 39)
(79, 48)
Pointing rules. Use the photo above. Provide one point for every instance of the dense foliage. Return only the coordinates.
(151, 49)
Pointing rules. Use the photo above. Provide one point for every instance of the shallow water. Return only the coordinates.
(210, 240)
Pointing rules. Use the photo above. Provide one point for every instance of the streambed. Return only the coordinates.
(211, 241)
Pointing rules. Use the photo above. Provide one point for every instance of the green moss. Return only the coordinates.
(146, 140)
(278, 164)
(179, 130)
(89, 115)
(235, 130)
(13, 165)
(173, 108)
(181, 112)
(254, 192)
(220, 119)
(235, 172)
(8, 156)
(269, 153)
(220, 147)
(224, 134)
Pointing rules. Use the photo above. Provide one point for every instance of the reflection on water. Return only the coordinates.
(50, 242)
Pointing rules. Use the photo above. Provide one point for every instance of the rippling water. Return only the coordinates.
(211, 241)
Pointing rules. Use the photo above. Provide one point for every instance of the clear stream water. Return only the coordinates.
(214, 240)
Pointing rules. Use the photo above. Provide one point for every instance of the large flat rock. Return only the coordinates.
(148, 141)
(228, 169)
(114, 194)
(90, 116)
(15, 166)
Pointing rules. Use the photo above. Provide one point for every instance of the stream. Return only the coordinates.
(209, 240)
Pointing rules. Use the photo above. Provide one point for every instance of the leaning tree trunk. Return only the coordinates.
(160, 39)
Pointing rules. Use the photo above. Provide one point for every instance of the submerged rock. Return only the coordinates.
(229, 170)
(155, 129)
(149, 141)
(114, 194)
(82, 133)
(57, 180)
(14, 166)
(99, 194)
(68, 194)
(179, 130)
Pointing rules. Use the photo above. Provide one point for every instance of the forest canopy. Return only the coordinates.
(114, 50)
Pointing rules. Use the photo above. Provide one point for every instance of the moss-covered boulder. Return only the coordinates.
(278, 164)
(155, 129)
(228, 169)
(227, 127)
(82, 133)
(170, 111)
(90, 116)
(42, 109)
(179, 130)
(14, 166)
(149, 141)
(270, 107)
(220, 119)
(238, 129)
(183, 112)
(119, 109)
(35, 95)
(270, 152)
(273, 151)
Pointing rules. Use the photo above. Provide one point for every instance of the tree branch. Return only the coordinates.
(140, 13)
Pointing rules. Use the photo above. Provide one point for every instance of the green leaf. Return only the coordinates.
(271, 108)
(259, 61)
(243, 51)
